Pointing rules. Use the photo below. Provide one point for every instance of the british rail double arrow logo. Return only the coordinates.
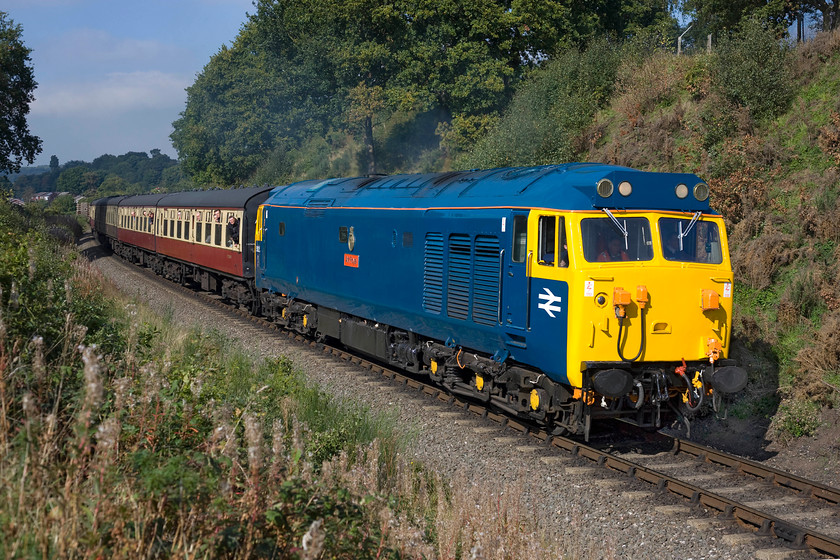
(551, 299)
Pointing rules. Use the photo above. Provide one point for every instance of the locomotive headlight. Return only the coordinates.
(625, 188)
(681, 191)
(605, 188)
(701, 191)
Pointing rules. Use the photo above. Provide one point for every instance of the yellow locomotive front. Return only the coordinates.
(650, 308)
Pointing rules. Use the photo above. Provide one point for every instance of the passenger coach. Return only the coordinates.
(202, 237)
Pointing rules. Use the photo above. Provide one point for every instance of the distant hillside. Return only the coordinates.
(130, 173)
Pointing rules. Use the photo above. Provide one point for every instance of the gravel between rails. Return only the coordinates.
(591, 513)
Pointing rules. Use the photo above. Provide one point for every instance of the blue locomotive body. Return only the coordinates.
(442, 256)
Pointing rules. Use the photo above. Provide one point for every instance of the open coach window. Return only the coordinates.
(616, 239)
(690, 240)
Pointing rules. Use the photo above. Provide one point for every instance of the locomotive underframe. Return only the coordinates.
(511, 387)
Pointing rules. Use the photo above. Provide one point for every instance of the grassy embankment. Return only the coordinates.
(123, 435)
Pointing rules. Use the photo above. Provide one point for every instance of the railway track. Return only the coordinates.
(773, 504)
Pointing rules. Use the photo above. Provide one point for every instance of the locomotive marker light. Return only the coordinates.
(681, 191)
(709, 299)
(621, 299)
(701, 191)
(625, 188)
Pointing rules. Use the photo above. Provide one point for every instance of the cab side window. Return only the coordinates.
(520, 238)
(547, 240)
(552, 242)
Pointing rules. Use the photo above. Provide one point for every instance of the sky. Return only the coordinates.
(112, 73)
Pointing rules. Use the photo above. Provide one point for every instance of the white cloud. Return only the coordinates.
(117, 93)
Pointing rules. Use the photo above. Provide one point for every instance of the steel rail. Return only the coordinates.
(766, 524)
(746, 466)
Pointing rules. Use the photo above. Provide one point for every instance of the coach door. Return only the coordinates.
(515, 276)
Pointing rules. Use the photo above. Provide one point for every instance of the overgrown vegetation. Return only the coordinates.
(124, 435)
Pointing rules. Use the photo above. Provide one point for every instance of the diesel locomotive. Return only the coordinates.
(560, 293)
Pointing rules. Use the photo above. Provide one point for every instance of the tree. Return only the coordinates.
(54, 164)
(16, 86)
(304, 71)
(72, 180)
(719, 16)
(830, 12)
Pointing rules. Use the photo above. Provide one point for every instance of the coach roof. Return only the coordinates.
(221, 198)
(573, 186)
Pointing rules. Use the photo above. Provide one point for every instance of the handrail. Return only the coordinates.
(501, 284)
(528, 291)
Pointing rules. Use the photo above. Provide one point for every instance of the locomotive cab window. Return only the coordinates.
(547, 240)
(688, 240)
(552, 242)
(625, 239)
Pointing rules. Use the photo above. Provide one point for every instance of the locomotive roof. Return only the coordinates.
(570, 186)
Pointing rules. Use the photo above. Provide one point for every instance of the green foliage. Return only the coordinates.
(760, 406)
(17, 86)
(797, 419)
(751, 69)
(130, 173)
(44, 287)
(64, 204)
(721, 16)
(301, 71)
(551, 110)
(348, 529)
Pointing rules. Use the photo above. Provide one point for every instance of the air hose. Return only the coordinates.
(641, 346)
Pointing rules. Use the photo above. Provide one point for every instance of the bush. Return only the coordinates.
(551, 110)
(797, 419)
(751, 69)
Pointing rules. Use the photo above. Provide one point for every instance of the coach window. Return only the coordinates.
(217, 237)
(520, 238)
(187, 215)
